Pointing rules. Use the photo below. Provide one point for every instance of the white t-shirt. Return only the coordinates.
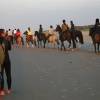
(51, 30)
(15, 31)
(9, 33)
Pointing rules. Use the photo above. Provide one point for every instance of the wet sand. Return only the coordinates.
(50, 74)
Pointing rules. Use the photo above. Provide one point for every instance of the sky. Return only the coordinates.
(25, 13)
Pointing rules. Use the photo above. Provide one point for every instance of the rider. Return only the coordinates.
(40, 29)
(18, 33)
(96, 28)
(97, 25)
(65, 26)
(29, 31)
(10, 35)
(72, 30)
(51, 30)
(72, 25)
(9, 32)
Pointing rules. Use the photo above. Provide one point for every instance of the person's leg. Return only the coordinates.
(8, 74)
(2, 81)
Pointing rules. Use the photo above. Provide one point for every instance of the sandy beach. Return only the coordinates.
(50, 74)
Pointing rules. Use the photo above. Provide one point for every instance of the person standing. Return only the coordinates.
(6, 66)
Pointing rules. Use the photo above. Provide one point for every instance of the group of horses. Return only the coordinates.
(58, 38)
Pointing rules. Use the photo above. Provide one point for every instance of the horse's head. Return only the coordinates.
(36, 33)
(91, 31)
(58, 28)
(25, 33)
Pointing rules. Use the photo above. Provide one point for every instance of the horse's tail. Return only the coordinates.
(81, 37)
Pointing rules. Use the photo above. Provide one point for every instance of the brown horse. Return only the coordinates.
(30, 39)
(95, 35)
(19, 41)
(63, 36)
(70, 36)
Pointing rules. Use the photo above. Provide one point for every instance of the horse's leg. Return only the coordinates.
(22, 41)
(58, 43)
(62, 45)
(74, 44)
(69, 44)
(27, 44)
(54, 45)
(41, 43)
(94, 46)
(98, 47)
(38, 43)
(35, 43)
(32, 42)
(44, 43)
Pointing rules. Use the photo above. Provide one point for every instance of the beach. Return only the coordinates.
(51, 74)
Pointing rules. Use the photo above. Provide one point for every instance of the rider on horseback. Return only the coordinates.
(65, 26)
(10, 35)
(51, 31)
(40, 30)
(72, 25)
(72, 31)
(95, 28)
(18, 33)
(29, 32)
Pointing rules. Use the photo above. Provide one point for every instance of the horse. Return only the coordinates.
(30, 38)
(69, 35)
(78, 36)
(46, 37)
(63, 36)
(40, 38)
(19, 41)
(10, 39)
(52, 39)
(95, 35)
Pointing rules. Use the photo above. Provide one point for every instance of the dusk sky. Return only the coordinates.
(24, 13)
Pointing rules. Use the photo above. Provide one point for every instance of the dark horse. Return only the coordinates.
(40, 39)
(78, 36)
(95, 35)
(70, 35)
